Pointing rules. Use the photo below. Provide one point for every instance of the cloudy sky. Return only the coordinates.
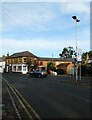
(43, 28)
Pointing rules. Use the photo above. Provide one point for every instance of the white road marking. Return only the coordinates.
(12, 87)
(14, 105)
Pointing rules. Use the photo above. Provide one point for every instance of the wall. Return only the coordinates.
(2, 67)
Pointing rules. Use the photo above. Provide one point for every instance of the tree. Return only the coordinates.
(51, 66)
(90, 54)
(70, 51)
(88, 66)
(84, 54)
(67, 52)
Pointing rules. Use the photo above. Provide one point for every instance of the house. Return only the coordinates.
(67, 66)
(20, 62)
(64, 64)
(25, 61)
(43, 61)
(2, 65)
(70, 69)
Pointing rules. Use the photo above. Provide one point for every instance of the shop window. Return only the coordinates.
(14, 68)
(19, 68)
(24, 68)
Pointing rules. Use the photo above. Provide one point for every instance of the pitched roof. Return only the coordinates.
(53, 59)
(63, 65)
(22, 54)
(48, 59)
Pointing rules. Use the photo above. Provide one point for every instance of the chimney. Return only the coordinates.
(8, 54)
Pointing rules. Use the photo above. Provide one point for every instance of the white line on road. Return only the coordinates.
(14, 105)
(27, 104)
(19, 101)
(12, 87)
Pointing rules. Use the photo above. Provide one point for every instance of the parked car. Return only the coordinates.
(38, 73)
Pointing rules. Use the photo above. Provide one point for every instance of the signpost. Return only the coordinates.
(79, 59)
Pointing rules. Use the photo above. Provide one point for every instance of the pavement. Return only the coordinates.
(85, 81)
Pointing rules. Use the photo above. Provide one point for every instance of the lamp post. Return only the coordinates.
(76, 20)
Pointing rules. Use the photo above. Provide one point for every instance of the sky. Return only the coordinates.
(43, 28)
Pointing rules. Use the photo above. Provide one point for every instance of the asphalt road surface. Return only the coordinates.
(50, 97)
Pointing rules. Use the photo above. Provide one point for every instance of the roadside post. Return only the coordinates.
(79, 58)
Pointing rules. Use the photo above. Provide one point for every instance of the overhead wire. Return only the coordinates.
(15, 19)
(12, 12)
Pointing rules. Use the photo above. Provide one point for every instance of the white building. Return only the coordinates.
(2, 65)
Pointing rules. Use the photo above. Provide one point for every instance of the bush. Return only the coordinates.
(89, 71)
(60, 71)
(86, 70)
(83, 70)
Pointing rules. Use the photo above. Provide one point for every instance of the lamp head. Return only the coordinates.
(74, 17)
(77, 20)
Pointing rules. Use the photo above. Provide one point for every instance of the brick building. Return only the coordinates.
(26, 61)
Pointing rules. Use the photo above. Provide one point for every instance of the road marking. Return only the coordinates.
(12, 87)
(27, 104)
(14, 105)
(20, 101)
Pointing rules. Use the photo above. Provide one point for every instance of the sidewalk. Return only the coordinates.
(85, 81)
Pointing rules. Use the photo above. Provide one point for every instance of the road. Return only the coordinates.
(50, 97)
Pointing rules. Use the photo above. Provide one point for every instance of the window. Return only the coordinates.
(8, 61)
(25, 60)
(19, 60)
(41, 63)
(14, 68)
(30, 61)
(19, 68)
(24, 68)
(35, 60)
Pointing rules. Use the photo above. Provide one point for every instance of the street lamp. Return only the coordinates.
(76, 20)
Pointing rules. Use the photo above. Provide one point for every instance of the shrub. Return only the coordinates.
(60, 71)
